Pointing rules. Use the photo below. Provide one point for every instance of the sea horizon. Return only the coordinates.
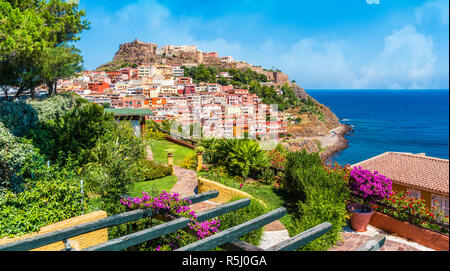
(408, 120)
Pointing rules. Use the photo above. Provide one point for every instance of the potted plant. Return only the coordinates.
(371, 187)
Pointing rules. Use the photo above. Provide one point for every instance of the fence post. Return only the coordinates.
(169, 157)
(199, 160)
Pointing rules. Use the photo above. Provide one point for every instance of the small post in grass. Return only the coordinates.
(200, 151)
(170, 157)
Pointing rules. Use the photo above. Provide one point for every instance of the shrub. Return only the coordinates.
(14, 154)
(371, 186)
(321, 192)
(150, 170)
(152, 131)
(266, 176)
(241, 157)
(297, 167)
(190, 162)
(209, 155)
(20, 117)
(415, 211)
(243, 215)
(164, 204)
(114, 167)
(51, 196)
(73, 134)
(277, 159)
(324, 200)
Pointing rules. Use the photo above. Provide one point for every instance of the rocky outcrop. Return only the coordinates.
(136, 52)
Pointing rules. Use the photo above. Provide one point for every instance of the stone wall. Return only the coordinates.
(225, 193)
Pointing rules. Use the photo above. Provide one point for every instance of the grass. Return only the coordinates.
(159, 148)
(273, 198)
(153, 186)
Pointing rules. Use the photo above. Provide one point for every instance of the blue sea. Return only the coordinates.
(415, 121)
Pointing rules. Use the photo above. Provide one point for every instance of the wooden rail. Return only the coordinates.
(64, 234)
(166, 228)
(303, 238)
(235, 232)
(227, 239)
(373, 244)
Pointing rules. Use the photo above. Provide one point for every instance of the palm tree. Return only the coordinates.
(241, 157)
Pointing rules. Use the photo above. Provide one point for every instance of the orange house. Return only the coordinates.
(425, 177)
(157, 102)
(98, 86)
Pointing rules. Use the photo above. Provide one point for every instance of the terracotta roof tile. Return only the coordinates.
(411, 169)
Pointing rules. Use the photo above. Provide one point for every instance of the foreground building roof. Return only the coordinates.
(129, 111)
(414, 170)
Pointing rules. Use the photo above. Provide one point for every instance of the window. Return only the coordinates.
(414, 193)
(441, 201)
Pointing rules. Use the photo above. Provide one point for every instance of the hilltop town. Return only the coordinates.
(171, 82)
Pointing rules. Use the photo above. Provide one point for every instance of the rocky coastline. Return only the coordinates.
(340, 145)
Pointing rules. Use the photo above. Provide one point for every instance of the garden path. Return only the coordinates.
(352, 240)
(186, 185)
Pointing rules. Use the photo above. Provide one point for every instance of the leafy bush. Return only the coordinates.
(325, 201)
(241, 157)
(51, 196)
(277, 159)
(190, 162)
(415, 211)
(152, 132)
(321, 192)
(267, 176)
(150, 170)
(115, 166)
(240, 216)
(303, 161)
(73, 134)
(210, 145)
(14, 154)
(20, 117)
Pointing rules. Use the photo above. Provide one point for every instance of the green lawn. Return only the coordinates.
(159, 148)
(272, 197)
(153, 186)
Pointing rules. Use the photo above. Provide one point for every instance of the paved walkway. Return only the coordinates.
(352, 240)
(186, 185)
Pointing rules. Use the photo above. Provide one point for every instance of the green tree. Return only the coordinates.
(114, 166)
(23, 38)
(30, 33)
(61, 62)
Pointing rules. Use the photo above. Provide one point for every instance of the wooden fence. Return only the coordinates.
(227, 239)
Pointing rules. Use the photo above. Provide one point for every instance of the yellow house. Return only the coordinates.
(423, 176)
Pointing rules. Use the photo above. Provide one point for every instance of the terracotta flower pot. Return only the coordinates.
(359, 216)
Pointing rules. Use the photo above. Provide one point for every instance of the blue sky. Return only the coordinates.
(393, 44)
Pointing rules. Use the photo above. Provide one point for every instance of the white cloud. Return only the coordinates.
(431, 10)
(370, 2)
(406, 61)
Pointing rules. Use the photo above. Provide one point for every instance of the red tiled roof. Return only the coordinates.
(412, 170)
